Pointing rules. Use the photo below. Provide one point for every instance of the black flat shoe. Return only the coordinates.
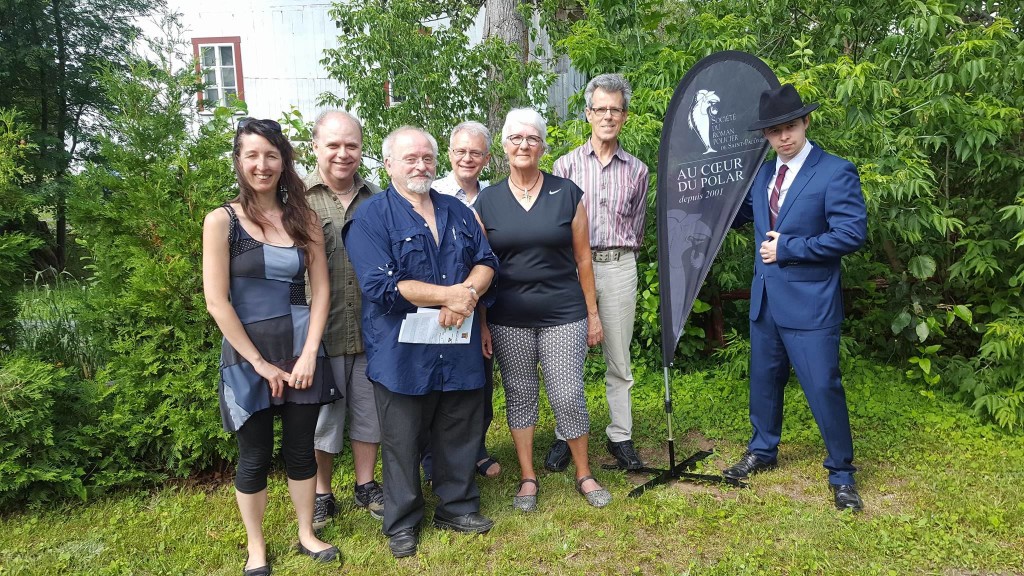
(558, 456)
(403, 543)
(748, 464)
(326, 555)
(846, 497)
(258, 571)
(472, 523)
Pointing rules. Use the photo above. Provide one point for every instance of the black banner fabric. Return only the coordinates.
(707, 161)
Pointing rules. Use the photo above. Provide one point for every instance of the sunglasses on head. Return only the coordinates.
(270, 124)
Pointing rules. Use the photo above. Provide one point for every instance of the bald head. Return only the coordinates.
(334, 115)
(338, 145)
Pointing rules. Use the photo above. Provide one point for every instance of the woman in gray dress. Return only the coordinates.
(257, 250)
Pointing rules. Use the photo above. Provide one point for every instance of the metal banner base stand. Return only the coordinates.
(679, 471)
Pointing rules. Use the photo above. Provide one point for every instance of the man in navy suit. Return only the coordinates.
(808, 212)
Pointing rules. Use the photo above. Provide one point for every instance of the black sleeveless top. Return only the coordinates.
(537, 284)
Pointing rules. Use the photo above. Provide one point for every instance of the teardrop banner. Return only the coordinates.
(706, 163)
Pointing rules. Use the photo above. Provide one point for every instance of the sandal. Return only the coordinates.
(526, 503)
(598, 498)
(485, 465)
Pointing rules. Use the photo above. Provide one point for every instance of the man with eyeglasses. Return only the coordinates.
(468, 151)
(412, 247)
(614, 183)
(335, 190)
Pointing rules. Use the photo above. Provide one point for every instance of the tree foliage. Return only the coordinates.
(14, 204)
(412, 63)
(138, 209)
(925, 97)
(50, 54)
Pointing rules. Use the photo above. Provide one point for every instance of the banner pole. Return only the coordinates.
(668, 417)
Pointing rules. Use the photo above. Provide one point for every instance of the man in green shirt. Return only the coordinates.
(335, 190)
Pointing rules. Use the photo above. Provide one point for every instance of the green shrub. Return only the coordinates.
(14, 246)
(49, 323)
(45, 433)
(138, 210)
(991, 381)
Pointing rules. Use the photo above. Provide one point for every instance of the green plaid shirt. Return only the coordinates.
(344, 334)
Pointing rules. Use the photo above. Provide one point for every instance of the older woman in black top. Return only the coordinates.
(545, 308)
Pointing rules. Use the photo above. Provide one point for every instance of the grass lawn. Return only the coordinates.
(944, 495)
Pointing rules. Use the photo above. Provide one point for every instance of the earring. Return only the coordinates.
(282, 193)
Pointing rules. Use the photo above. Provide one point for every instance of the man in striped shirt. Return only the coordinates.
(614, 183)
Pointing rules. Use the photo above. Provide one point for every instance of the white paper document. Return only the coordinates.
(423, 327)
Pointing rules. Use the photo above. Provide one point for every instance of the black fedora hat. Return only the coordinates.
(779, 106)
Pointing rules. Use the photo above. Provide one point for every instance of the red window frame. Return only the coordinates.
(236, 42)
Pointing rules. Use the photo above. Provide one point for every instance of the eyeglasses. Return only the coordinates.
(615, 112)
(411, 161)
(270, 124)
(531, 141)
(460, 153)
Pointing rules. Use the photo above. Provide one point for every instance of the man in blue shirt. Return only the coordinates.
(412, 247)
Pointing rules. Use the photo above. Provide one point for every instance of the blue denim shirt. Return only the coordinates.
(388, 242)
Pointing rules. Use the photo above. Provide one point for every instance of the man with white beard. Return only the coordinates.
(412, 247)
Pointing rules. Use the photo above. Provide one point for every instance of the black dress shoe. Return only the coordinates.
(326, 555)
(748, 464)
(846, 497)
(403, 543)
(473, 523)
(558, 456)
(625, 454)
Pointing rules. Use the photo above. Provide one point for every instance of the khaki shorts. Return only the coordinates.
(358, 403)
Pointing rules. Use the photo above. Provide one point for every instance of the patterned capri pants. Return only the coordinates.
(560, 351)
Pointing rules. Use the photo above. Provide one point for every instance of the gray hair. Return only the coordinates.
(389, 141)
(323, 116)
(610, 83)
(525, 117)
(473, 128)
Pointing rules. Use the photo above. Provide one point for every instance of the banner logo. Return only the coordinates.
(705, 105)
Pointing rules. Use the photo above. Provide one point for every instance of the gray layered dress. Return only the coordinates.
(268, 294)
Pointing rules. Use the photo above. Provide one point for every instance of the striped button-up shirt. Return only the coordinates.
(343, 334)
(615, 195)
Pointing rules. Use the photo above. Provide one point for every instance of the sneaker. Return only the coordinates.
(324, 508)
(371, 497)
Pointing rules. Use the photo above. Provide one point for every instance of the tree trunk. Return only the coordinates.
(502, 20)
(60, 209)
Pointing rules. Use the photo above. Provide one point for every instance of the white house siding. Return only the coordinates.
(281, 45)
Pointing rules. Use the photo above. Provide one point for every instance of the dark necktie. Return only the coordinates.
(773, 200)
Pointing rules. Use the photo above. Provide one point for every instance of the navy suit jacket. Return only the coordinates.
(822, 219)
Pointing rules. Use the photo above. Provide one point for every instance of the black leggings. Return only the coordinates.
(256, 445)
